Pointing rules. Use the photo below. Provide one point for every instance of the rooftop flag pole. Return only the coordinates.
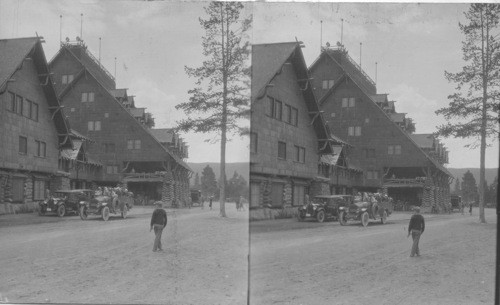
(342, 31)
(375, 73)
(115, 67)
(60, 29)
(81, 26)
(321, 37)
(99, 50)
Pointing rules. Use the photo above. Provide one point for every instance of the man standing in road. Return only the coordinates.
(416, 228)
(158, 222)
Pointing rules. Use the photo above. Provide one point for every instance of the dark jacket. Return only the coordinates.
(417, 223)
(159, 217)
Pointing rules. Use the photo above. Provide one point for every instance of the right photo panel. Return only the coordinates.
(374, 153)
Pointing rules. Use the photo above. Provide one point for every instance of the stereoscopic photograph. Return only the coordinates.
(197, 152)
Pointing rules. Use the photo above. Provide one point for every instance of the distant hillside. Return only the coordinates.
(241, 167)
(490, 174)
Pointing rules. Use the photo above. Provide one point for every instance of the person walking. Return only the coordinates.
(158, 222)
(416, 229)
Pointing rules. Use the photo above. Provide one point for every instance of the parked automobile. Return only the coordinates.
(323, 207)
(102, 205)
(63, 202)
(366, 207)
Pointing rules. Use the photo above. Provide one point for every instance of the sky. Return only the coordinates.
(413, 44)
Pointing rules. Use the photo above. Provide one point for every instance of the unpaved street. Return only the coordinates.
(69, 260)
(311, 263)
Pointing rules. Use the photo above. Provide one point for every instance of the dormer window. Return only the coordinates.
(327, 84)
(87, 97)
(66, 79)
(348, 102)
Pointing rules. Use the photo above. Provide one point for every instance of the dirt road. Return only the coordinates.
(69, 260)
(310, 263)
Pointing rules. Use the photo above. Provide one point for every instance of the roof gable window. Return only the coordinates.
(67, 78)
(87, 97)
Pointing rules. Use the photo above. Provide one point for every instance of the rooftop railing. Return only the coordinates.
(355, 64)
(81, 44)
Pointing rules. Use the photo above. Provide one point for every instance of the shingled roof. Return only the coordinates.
(13, 52)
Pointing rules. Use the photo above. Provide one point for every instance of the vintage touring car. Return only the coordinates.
(63, 202)
(365, 207)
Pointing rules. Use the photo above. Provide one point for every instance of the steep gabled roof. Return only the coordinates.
(13, 53)
(370, 98)
(85, 71)
(268, 61)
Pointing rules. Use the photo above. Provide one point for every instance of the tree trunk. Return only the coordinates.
(483, 122)
(222, 196)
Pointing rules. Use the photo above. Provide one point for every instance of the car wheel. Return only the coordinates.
(320, 216)
(124, 211)
(383, 219)
(342, 219)
(61, 210)
(105, 213)
(41, 210)
(365, 218)
(302, 215)
(83, 212)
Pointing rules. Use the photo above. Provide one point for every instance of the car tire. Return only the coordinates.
(365, 219)
(83, 213)
(61, 210)
(383, 218)
(342, 219)
(105, 213)
(320, 216)
(301, 216)
(124, 211)
(41, 210)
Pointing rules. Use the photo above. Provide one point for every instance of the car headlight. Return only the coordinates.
(363, 209)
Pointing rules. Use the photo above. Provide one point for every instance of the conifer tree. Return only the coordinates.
(474, 107)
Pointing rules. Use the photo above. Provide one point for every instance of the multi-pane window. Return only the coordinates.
(39, 187)
(19, 105)
(134, 144)
(94, 125)
(287, 114)
(41, 149)
(357, 131)
(23, 145)
(394, 149)
(87, 97)
(253, 142)
(270, 107)
(282, 150)
(11, 102)
(300, 154)
(27, 108)
(18, 189)
(327, 84)
(348, 102)
(278, 106)
(354, 131)
(66, 79)
(298, 195)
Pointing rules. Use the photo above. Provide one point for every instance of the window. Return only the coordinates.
(394, 149)
(87, 96)
(18, 189)
(72, 109)
(19, 105)
(277, 109)
(27, 108)
(39, 187)
(327, 84)
(348, 102)
(94, 125)
(23, 145)
(295, 115)
(253, 142)
(298, 195)
(41, 149)
(137, 144)
(350, 131)
(66, 79)
(287, 114)
(357, 131)
(354, 131)
(34, 111)
(130, 144)
(282, 150)
(367, 120)
(97, 125)
(11, 102)
(112, 169)
(330, 83)
(300, 154)
(270, 107)
(254, 194)
(106, 115)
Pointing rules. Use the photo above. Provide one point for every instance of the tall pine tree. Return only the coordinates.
(474, 107)
(222, 95)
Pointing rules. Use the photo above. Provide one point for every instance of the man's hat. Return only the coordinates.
(158, 204)
(417, 209)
